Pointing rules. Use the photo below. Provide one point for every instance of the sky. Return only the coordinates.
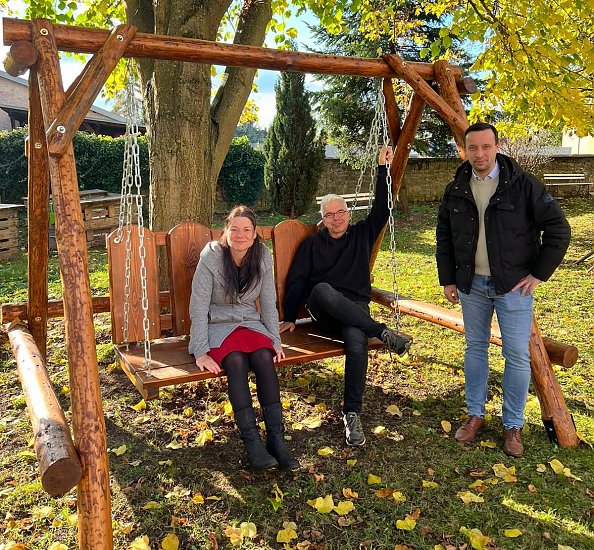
(264, 98)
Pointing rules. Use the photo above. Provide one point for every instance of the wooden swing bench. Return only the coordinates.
(170, 362)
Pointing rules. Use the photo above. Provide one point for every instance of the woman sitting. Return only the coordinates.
(227, 332)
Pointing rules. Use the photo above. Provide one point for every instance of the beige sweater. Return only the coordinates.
(482, 191)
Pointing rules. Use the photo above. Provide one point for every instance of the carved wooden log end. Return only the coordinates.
(20, 57)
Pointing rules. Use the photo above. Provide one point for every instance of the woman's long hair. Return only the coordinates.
(239, 280)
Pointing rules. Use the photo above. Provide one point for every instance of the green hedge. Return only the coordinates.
(98, 163)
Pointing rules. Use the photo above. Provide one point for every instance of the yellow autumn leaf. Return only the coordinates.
(174, 445)
(140, 543)
(120, 450)
(467, 497)
(477, 540)
(166, 462)
(288, 533)
(556, 466)
(406, 524)
(430, 485)
(248, 529)
(489, 444)
(198, 499)
(347, 492)
(398, 497)
(72, 520)
(325, 451)
(188, 411)
(312, 422)
(393, 410)
(125, 528)
(344, 507)
(203, 437)
(227, 408)
(512, 533)
(324, 505)
(373, 479)
(507, 474)
(234, 535)
(170, 542)
(446, 426)
(57, 546)
(351, 462)
(563, 547)
(140, 406)
(213, 497)
(379, 429)
(416, 413)
(43, 512)
(151, 505)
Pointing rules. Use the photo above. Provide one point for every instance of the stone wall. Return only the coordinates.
(426, 178)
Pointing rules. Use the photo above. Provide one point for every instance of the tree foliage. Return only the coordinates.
(294, 154)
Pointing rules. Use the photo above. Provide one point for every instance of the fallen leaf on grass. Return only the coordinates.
(57, 546)
(166, 462)
(120, 450)
(174, 445)
(198, 499)
(507, 474)
(151, 505)
(140, 543)
(312, 422)
(125, 528)
(344, 507)
(373, 479)
(379, 429)
(203, 437)
(467, 497)
(170, 542)
(430, 485)
(489, 444)
(556, 466)
(477, 540)
(234, 535)
(287, 533)
(394, 410)
(406, 524)
(563, 547)
(325, 451)
(188, 411)
(248, 529)
(512, 533)
(43, 512)
(351, 462)
(347, 492)
(384, 493)
(446, 426)
(398, 496)
(140, 406)
(324, 505)
(541, 468)
(531, 488)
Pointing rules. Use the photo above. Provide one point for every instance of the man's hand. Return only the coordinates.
(286, 325)
(527, 284)
(280, 354)
(386, 155)
(205, 361)
(451, 293)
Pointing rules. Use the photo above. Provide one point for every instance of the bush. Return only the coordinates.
(242, 176)
(99, 162)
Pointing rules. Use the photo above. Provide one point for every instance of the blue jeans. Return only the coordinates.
(335, 314)
(514, 314)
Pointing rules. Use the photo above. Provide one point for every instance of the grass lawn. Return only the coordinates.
(178, 468)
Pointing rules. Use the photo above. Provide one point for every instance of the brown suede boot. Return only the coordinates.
(512, 442)
(467, 432)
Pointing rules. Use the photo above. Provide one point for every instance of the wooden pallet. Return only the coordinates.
(9, 230)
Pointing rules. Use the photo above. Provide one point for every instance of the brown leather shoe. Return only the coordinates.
(467, 432)
(512, 444)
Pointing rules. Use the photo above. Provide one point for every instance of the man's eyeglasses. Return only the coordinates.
(338, 214)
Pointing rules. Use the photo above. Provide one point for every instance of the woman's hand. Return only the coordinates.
(280, 354)
(205, 361)
(286, 325)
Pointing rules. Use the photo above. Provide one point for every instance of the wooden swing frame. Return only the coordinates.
(55, 116)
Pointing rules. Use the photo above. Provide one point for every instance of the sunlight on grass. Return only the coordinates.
(549, 517)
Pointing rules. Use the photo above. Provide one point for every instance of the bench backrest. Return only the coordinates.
(183, 245)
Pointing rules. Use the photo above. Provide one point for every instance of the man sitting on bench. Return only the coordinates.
(331, 271)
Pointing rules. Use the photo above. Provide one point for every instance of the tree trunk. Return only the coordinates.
(188, 136)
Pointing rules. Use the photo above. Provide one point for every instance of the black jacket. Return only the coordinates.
(525, 229)
(343, 263)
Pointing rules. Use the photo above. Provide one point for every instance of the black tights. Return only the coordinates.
(237, 365)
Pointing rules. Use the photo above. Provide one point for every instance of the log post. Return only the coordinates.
(94, 508)
(550, 395)
(406, 71)
(449, 92)
(58, 462)
(37, 217)
(564, 355)
(20, 57)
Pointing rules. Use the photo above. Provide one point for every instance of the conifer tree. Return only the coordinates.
(293, 150)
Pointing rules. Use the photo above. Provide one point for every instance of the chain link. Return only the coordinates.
(132, 197)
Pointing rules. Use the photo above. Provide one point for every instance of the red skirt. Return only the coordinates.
(241, 339)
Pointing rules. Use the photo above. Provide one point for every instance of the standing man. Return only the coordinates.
(499, 234)
(331, 272)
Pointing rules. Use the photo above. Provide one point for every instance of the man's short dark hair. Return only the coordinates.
(479, 127)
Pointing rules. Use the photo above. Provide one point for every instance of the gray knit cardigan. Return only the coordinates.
(214, 318)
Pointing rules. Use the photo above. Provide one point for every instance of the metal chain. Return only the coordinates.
(132, 196)
(391, 227)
